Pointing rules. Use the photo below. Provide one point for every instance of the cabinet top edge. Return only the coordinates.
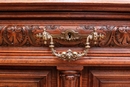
(64, 6)
(65, 1)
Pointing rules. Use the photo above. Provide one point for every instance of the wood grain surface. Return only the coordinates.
(26, 62)
(72, 1)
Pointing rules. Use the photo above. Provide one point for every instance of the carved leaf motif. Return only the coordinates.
(14, 34)
(123, 37)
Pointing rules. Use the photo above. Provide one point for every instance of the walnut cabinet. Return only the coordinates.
(30, 31)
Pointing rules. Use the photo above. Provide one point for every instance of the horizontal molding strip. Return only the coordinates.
(45, 51)
(37, 56)
(64, 15)
(118, 7)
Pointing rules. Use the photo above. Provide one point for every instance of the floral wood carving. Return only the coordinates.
(15, 35)
(25, 35)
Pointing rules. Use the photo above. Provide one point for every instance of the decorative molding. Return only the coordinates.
(25, 35)
(77, 7)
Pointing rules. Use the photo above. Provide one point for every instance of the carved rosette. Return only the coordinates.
(69, 79)
(25, 35)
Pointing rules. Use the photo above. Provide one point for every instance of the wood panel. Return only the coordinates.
(109, 78)
(24, 78)
(27, 77)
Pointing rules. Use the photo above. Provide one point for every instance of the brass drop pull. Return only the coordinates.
(69, 54)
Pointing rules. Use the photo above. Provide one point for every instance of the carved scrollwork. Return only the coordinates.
(116, 36)
(25, 35)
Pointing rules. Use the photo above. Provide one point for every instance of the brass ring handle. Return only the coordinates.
(69, 54)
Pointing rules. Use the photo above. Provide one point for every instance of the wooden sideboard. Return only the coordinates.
(26, 61)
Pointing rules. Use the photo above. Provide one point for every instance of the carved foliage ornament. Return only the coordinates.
(25, 35)
(35, 35)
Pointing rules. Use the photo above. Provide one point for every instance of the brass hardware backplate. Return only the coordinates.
(70, 35)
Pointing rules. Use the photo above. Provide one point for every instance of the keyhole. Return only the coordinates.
(69, 35)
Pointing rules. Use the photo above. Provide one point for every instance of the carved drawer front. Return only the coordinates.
(109, 78)
(25, 78)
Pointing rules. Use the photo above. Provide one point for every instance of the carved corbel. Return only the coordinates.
(69, 79)
(69, 76)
